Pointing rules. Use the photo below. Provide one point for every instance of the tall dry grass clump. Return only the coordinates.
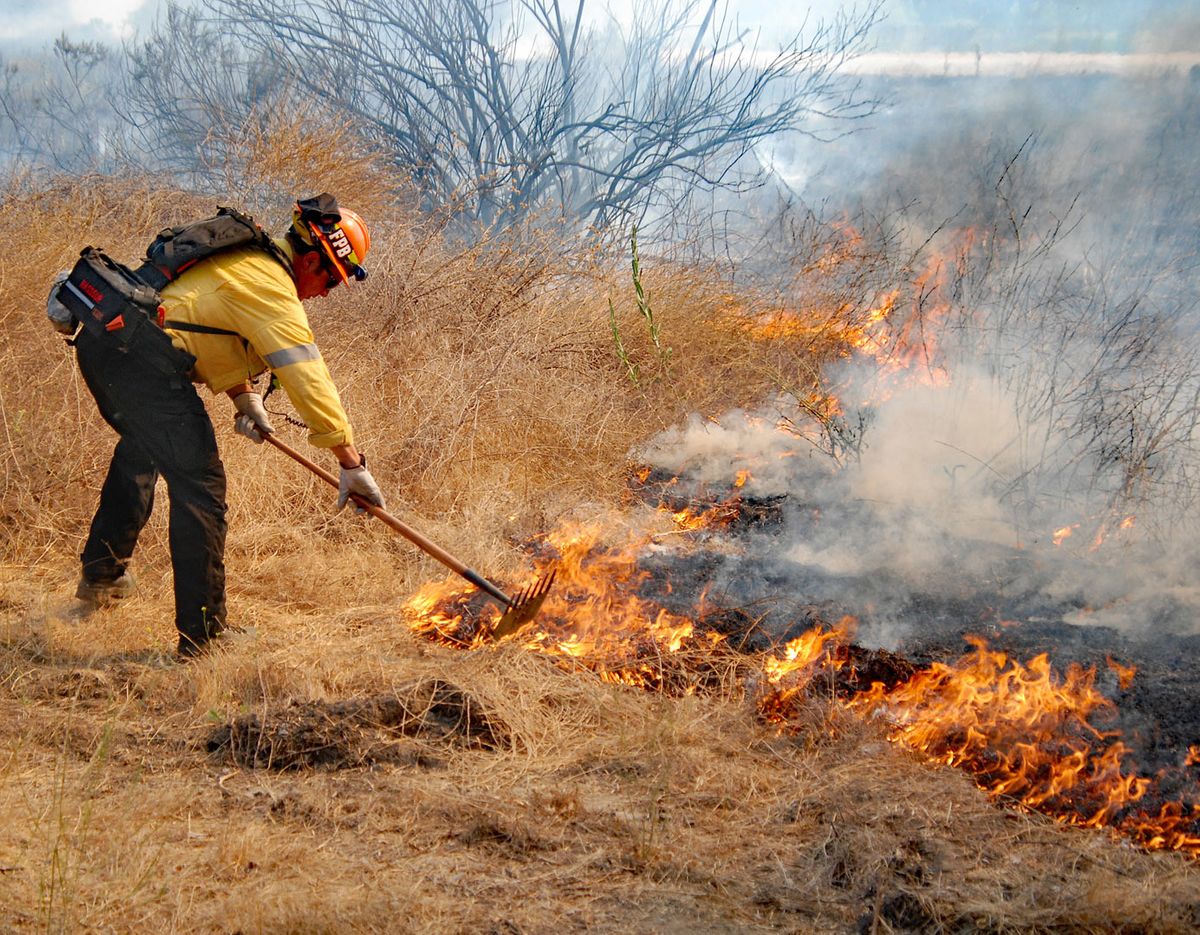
(482, 379)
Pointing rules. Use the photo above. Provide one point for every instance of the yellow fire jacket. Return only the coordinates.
(249, 292)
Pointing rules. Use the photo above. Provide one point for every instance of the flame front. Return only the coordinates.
(1026, 734)
(1022, 732)
(593, 617)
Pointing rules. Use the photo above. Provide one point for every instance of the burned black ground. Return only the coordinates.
(760, 598)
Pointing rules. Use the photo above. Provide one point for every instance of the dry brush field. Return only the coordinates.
(336, 771)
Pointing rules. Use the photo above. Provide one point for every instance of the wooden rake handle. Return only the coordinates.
(422, 543)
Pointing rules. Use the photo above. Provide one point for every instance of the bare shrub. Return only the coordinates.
(505, 112)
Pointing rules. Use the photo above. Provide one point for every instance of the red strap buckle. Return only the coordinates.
(116, 324)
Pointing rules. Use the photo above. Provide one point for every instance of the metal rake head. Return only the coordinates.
(524, 607)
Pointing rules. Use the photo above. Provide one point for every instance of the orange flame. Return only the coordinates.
(802, 658)
(720, 515)
(1065, 533)
(593, 615)
(1102, 532)
(1026, 733)
(715, 517)
(1125, 674)
(897, 328)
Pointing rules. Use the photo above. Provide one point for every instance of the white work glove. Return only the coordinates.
(253, 422)
(358, 480)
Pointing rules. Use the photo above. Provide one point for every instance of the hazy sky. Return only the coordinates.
(31, 21)
(941, 25)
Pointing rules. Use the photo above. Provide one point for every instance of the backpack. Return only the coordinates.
(108, 297)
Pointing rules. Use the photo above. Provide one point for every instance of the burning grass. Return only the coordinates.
(1027, 734)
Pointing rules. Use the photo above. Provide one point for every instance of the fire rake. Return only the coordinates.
(518, 610)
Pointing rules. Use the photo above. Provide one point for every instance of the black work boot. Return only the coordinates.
(105, 593)
(195, 640)
(191, 647)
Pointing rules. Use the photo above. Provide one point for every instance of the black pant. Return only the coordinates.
(141, 385)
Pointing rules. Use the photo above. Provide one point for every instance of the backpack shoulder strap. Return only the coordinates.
(177, 249)
(196, 329)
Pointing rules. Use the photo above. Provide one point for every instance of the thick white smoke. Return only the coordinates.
(1057, 471)
(930, 514)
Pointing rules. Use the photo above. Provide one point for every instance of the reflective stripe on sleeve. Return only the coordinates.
(292, 355)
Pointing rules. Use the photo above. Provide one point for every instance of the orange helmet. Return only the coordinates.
(339, 233)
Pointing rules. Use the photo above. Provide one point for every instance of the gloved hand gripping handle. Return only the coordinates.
(252, 421)
(425, 545)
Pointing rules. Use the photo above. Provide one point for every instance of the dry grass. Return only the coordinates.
(588, 807)
(483, 384)
(482, 380)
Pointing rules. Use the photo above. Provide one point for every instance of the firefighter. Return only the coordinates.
(230, 318)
